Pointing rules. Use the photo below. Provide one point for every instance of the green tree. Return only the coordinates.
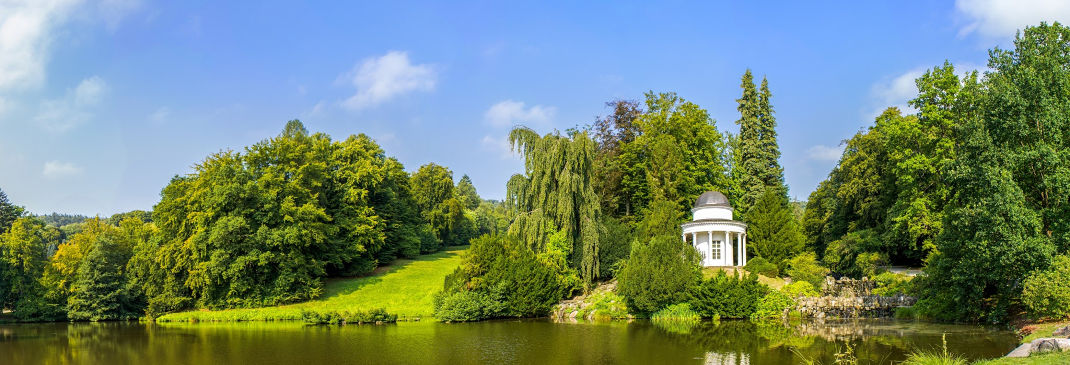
(658, 273)
(8, 212)
(466, 192)
(757, 161)
(612, 133)
(23, 258)
(556, 194)
(100, 292)
(769, 171)
(772, 231)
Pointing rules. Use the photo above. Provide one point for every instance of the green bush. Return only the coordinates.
(359, 317)
(657, 274)
(800, 289)
(724, 296)
(805, 268)
(891, 284)
(773, 305)
(1047, 293)
(502, 278)
(676, 312)
(871, 263)
(761, 266)
(605, 305)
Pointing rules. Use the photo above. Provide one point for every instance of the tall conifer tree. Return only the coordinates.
(770, 172)
(749, 143)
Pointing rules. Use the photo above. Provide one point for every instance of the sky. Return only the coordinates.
(103, 102)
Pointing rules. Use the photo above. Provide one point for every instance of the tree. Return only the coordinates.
(556, 194)
(466, 192)
(23, 258)
(612, 134)
(769, 171)
(756, 154)
(100, 292)
(772, 231)
(8, 212)
(442, 206)
(658, 273)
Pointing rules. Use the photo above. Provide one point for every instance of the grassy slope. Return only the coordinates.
(775, 283)
(1038, 331)
(405, 288)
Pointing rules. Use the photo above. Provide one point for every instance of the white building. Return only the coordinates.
(719, 240)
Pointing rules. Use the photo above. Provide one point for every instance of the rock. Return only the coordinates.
(1049, 344)
(1021, 351)
(1064, 331)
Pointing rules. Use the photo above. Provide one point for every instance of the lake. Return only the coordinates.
(494, 342)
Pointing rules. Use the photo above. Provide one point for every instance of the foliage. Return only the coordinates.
(760, 266)
(8, 212)
(1046, 293)
(941, 357)
(658, 273)
(604, 305)
(676, 312)
(491, 217)
(406, 288)
(59, 220)
(501, 277)
(616, 244)
(99, 292)
(611, 134)
(375, 316)
(800, 289)
(772, 231)
(442, 206)
(759, 152)
(891, 284)
(265, 226)
(466, 193)
(805, 267)
(724, 296)
(556, 193)
(23, 258)
(773, 305)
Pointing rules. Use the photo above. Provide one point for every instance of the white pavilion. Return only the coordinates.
(719, 240)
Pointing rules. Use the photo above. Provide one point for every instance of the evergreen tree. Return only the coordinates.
(466, 192)
(748, 171)
(99, 293)
(770, 174)
(8, 212)
(772, 231)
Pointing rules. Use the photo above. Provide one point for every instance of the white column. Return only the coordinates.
(739, 248)
(727, 249)
(744, 248)
(694, 241)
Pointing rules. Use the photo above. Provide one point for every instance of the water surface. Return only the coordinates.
(519, 341)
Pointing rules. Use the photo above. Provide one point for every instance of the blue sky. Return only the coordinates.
(101, 103)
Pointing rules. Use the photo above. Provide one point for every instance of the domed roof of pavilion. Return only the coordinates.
(712, 199)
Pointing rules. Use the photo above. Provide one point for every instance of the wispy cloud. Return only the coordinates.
(381, 79)
(499, 146)
(824, 153)
(510, 112)
(26, 29)
(61, 115)
(1001, 18)
(58, 170)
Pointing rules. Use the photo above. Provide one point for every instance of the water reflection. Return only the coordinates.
(525, 341)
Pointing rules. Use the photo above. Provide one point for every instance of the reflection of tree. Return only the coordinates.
(680, 327)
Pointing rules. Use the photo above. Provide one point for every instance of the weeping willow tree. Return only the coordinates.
(555, 194)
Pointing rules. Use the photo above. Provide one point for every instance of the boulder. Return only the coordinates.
(1049, 344)
(1064, 331)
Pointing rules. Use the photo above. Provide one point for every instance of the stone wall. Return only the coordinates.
(850, 298)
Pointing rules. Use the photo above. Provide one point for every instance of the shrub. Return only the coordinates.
(1047, 293)
(724, 296)
(800, 289)
(605, 305)
(805, 268)
(761, 266)
(502, 278)
(773, 305)
(891, 284)
(658, 274)
(359, 317)
(871, 263)
(676, 312)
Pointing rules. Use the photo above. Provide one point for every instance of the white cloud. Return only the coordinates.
(500, 146)
(57, 170)
(1001, 18)
(60, 115)
(825, 153)
(25, 35)
(511, 112)
(381, 79)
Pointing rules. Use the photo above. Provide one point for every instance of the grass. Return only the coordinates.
(405, 288)
(775, 283)
(1050, 358)
(1041, 330)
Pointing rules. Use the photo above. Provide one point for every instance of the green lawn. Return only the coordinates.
(1037, 331)
(405, 288)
